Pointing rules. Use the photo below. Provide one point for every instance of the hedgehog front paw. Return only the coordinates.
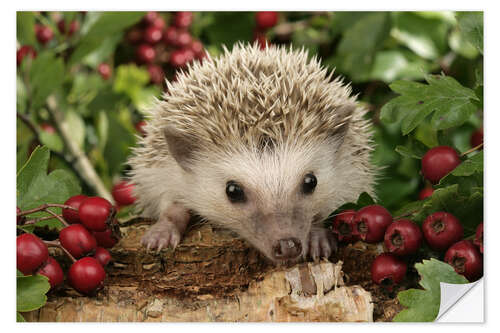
(322, 243)
(161, 235)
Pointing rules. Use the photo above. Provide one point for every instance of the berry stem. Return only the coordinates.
(44, 207)
(472, 149)
(56, 216)
(38, 219)
(56, 243)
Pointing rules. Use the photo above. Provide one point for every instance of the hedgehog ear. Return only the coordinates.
(344, 114)
(180, 146)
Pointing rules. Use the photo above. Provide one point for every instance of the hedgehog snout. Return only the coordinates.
(287, 248)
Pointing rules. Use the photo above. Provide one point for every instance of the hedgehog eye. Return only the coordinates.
(309, 184)
(235, 192)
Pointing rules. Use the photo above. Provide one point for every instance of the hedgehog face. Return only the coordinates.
(267, 197)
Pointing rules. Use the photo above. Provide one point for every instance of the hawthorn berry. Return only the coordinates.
(103, 256)
(77, 240)
(73, 27)
(441, 230)
(123, 193)
(184, 39)
(104, 70)
(266, 20)
(343, 225)
(438, 162)
(153, 35)
(150, 18)
(465, 259)
(477, 138)
(96, 213)
(71, 216)
(86, 275)
(403, 237)
(183, 19)
(44, 34)
(159, 22)
(31, 253)
(145, 53)
(388, 270)
(170, 36)
(425, 193)
(478, 239)
(25, 50)
(48, 128)
(371, 222)
(106, 239)
(156, 74)
(53, 271)
(181, 57)
(139, 126)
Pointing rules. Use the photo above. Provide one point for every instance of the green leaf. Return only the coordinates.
(46, 76)
(394, 64)
(30, 292)
(365, 200)
(131, 81)
(450, 103)
(471, 26)
(19, 318)
(460, 45)
(106, 24)
(25, 23)
(241, 23)
(359, 43)
(35, 187)
(424, 36)
(470, 166)
(52, 140)
(118, 145)
(423, 305)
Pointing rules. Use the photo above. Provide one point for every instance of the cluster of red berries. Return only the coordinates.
(264, 21)
(441, 231)
(123, 193)
(91, 229)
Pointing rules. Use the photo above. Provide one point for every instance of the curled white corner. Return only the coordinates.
(451, 295)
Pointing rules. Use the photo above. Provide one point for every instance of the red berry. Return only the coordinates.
(477, 138)
(77, 240)
(171, 35)
(150, 18)
(24, 51)
(104, 70)
(105, 238)
(371, 222)
(184, 38)
(145, 53)
(153, 35)
(96, 213)
(441, 230)
(159, 22)
(343, 225)
(139, 126)
(183, 19)
(71, 216)
(388, 270)
(73, 27)
(180, 58)
(403, 237)
(465, 259)
(86, 275)
(123, 193)
(438, 162)
(103, 256)
(31, 253)
(44, 34)
(156, 74)
(478, 239)
(53, 271)
(425, 193)
(48, 128)
(266, 20)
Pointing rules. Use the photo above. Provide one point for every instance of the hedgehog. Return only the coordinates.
(263, 142)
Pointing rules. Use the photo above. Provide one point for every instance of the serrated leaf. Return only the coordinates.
(46, 76)
(25, 23)
(423, 305)
(35, 187)
(471, 26)
(472, 165)
(52, 140)
(450, 103)
(130, 80)
(104, 25)
(394, 64)
(30, 292)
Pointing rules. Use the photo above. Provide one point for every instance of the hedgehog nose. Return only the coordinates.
(287, 248)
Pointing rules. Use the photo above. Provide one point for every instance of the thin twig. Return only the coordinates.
(58, 244)
(56, 216)
(479, 146)
(43, 207)
(38, 219)
(82, 163)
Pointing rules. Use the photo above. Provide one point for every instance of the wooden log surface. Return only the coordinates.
(215, 276)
